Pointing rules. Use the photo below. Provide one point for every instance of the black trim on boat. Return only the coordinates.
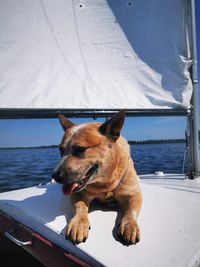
(85, 113)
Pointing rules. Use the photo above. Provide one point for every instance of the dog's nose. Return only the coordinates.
(58, 176)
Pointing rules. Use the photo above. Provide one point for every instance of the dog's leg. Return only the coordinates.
(78, 228)
(129, 230)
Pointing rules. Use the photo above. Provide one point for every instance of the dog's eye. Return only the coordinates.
(77, 150)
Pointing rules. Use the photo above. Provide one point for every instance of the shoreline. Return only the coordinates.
(131, 142)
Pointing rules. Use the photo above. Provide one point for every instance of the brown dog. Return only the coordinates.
(96, 164)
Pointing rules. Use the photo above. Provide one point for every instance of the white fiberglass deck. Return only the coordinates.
(169, 221)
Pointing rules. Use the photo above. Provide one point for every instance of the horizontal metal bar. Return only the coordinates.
(86, 113)
(9, 235)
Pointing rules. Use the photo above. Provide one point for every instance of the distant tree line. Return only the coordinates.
(131, 142)
(28, 147)
(162, 141)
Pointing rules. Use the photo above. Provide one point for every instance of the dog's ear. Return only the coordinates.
(65, 123)
(112, 127)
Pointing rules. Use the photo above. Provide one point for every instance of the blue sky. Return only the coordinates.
(36, 132)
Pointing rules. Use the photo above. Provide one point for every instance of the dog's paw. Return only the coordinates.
(129, 231)
(78, 229)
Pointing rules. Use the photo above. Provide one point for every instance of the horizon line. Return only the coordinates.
(148, 141)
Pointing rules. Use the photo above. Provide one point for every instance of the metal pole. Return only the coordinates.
(194, 116)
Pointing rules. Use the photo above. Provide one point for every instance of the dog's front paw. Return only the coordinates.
(78, 229)
(129, 231)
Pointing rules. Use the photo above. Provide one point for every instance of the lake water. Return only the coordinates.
(20, 168)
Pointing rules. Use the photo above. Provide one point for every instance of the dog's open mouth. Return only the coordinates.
(70, 188)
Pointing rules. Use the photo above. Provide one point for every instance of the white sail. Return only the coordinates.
(100, 54)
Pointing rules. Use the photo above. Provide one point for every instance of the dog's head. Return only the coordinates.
(88, 152)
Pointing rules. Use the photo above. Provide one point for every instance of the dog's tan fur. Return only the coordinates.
(116, 177)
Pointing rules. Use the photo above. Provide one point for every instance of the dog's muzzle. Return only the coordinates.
(78, 184)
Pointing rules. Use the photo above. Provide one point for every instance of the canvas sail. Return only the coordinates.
(85, 54)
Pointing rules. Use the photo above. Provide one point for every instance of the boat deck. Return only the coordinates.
(169, 222)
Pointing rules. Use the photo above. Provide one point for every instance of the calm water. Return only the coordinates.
(28, 167)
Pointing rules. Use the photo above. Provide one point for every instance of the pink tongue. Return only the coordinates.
(68, 189)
